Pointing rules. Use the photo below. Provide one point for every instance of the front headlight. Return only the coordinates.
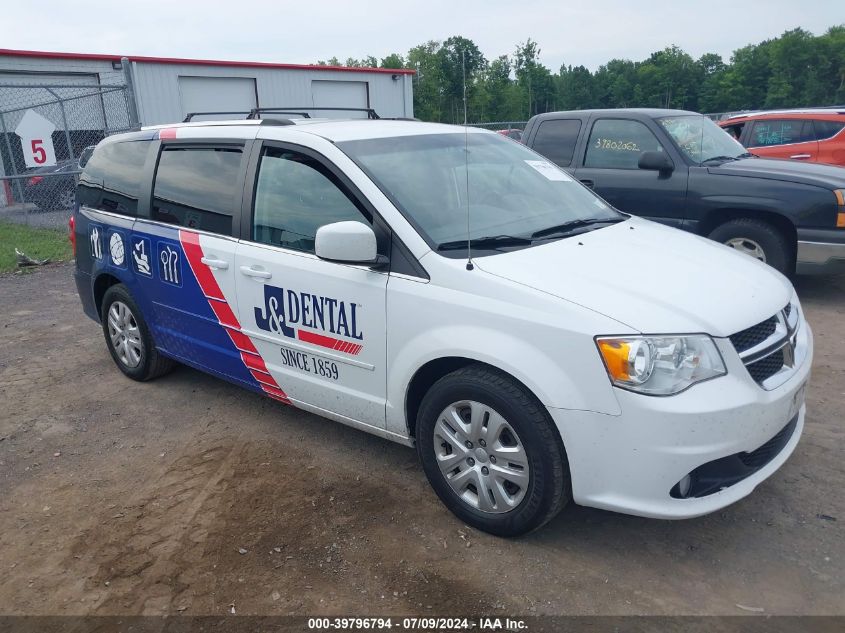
(660, 365)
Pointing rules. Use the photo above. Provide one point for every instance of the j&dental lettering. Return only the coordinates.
(284, 309)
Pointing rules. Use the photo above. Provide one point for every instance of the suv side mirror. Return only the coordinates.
(656, 161)
(348, 242)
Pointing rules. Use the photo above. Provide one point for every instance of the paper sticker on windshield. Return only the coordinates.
(550, 171)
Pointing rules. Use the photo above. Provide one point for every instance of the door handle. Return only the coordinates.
(213, 262)
(588, 182)
(800, 156)
(249, 271)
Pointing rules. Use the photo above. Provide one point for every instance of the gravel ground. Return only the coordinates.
(189, 495)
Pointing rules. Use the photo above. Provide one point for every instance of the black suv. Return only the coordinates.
(681, 169)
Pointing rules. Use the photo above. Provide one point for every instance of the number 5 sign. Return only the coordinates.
(36, 134)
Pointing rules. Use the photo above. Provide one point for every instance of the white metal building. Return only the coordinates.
(166, 89)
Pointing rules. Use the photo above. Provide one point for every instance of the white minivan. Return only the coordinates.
(449, 289)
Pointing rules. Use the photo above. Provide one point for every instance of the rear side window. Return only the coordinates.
(111, 180)
(780, 132)
(617, 144)
(196, 187)
(556, 140)
(734, 130)
(826, 129)
(294, 196)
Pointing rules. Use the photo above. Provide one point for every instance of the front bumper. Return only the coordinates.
(631, 462)
(820, 252)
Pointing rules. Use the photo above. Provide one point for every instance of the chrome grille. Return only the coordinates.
(767, 349)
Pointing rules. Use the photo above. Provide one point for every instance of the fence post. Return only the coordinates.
(17, 182)
(130, 93)
(64, 122)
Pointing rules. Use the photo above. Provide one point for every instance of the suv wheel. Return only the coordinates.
(128, 338)
(491, 452)
(757, 239)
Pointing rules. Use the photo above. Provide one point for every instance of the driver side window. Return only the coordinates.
(294, 196)
(617, 144)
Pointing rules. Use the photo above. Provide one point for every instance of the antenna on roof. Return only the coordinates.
(466, 158)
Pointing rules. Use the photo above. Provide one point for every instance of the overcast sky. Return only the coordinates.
(586, 32)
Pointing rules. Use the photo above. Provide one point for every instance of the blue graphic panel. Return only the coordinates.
(170, 263)
(95, 240)
(141, 255)
(116, 244)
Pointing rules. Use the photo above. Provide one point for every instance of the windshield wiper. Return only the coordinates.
(574, 225)
(725, 159)
(490, 241)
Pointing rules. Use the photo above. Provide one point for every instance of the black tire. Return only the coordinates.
(770, 239)
(151, 364)
(548, 490)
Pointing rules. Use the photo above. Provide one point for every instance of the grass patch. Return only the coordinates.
(36, 242)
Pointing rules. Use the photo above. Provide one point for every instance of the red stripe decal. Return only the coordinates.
(266, 380)
(193, 251)
(254, 362)
(242, 342)
(328, 342)
(224, 314)
(226, 317)
(169, 132)
(277, 394)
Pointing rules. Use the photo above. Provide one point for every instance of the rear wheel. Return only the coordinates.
(491, 452)
(757, 239)
(128, 338)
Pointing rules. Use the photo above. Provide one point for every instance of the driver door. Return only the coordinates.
(610, 168)
(318, 325)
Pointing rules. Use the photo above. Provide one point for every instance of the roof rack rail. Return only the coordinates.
(303, 111)
(191, 115)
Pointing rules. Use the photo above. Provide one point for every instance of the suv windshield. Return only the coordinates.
(516, 197)
(701, 139)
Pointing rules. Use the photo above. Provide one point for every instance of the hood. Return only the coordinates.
(827, 176)
(651, 278)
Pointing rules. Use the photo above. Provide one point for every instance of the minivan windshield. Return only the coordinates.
(701, 139)
(516, 198)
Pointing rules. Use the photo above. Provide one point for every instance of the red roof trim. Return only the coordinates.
(197, 62)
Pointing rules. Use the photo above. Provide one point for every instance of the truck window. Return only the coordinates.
(294, 196)
(111, 180)
(555, 139)
(195, 187)
(618, 143)
(780, 132)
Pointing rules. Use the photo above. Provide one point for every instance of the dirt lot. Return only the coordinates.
(190, 495)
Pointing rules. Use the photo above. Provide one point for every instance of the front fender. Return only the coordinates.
(575, 380)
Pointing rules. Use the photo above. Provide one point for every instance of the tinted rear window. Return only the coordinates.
(196, 187)
(111, 180)
(556, 140)
(826, 129)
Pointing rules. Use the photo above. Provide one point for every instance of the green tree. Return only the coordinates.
(394, 60)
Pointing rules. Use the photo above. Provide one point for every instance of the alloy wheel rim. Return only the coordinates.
(124, 334)
(747, 247)
(481, 457)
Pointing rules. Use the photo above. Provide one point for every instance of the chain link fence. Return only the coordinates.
(45, 130)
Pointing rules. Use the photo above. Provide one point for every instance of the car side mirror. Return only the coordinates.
(656, 161)
(348, 242)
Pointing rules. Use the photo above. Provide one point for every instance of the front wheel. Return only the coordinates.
(757, 239)
(491, 452)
